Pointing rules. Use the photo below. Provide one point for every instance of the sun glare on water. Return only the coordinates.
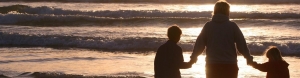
(198, 69)
(210, 7)
(240, 8)
(199, 7)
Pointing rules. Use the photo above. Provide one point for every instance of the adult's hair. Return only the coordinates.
(174, 32)
(222, 7)
(273, 53)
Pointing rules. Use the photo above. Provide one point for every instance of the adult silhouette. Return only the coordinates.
(220, 38)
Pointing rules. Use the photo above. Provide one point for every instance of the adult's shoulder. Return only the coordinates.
(208, 23)
(227, 22)
(232, 23)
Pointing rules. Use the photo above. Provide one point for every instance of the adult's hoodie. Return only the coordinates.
(221, 38)
(274, 69)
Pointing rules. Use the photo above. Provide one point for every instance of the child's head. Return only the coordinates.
(174, 33)
(273, 54)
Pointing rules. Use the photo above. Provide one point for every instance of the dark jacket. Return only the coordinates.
(220, 38)
(274, 69)
(168, 61)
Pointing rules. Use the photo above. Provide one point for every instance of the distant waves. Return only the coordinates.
(135, 44)
(69, 41)
(119, 14)
(49, 16)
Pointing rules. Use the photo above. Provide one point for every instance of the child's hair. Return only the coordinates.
(273, 53)
(174, 32)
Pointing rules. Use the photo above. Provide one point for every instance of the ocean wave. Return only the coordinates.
(79, 20)
(137, 44)
(82, 20)
(45, 10)
(69, 41)
(49, 16)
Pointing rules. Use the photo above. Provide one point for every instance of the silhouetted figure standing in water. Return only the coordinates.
(169, 58)
(220, 38)
(276, 67)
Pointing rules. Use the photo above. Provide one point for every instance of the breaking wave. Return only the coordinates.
(137, 44)
(49, 16)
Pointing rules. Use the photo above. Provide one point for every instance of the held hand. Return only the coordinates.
(190, 64)
(250, 61)
(253, 63)
(193, 60)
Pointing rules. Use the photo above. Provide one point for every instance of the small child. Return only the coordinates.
(169, 58)
(276, 67)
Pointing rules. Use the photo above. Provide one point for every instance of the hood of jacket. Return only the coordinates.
(220, 18)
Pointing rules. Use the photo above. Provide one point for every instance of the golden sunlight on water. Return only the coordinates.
(190, 33)
(245, 71)
(199, 7)
(240, 8)
(210, 7)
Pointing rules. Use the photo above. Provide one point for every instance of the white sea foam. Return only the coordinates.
(130, 39)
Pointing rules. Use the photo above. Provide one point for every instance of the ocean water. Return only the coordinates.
(24, 62)
(120, 39)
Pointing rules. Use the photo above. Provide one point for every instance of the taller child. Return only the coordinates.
(169, 58)
(221, 38)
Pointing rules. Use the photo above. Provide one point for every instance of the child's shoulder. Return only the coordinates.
(168, 45)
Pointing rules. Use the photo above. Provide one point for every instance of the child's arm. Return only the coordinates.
(262, 67)
(180, 60)
(186, 65)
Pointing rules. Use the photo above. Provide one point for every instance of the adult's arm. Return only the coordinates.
(241, 44)
(200, 44)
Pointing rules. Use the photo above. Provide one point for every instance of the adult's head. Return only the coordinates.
(273, 54)
(174, 33)
(222, 7)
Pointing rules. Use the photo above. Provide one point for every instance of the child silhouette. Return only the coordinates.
(169, 58)
(276, 67)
